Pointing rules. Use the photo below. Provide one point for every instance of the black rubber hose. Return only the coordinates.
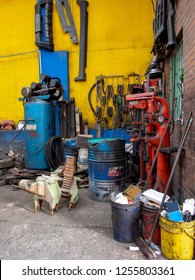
(89, 98)
(101, 80)
(54, 152)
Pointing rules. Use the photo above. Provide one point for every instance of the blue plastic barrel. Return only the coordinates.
(106, 167)
(40, 127)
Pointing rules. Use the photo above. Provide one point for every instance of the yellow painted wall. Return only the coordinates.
(18, 55)
(120, 39)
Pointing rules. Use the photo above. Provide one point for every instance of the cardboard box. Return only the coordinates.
(132, 192)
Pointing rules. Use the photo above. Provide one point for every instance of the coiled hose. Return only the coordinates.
(54, 152)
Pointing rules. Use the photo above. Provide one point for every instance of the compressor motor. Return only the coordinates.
(49, 88)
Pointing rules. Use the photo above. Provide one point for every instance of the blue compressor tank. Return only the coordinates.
(40, 127)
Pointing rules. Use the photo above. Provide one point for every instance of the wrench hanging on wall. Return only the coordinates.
(83, 40)
(43, 24)
(67, 28)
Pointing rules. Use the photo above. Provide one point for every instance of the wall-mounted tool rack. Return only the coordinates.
(111, 90)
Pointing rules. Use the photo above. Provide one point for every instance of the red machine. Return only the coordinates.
(151, 114)
(154, 85)
(154, 81)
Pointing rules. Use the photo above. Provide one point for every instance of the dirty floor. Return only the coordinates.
(82, 233)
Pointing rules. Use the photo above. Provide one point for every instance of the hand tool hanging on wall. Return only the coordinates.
(43, 24)
(83, 40)
(70, 29)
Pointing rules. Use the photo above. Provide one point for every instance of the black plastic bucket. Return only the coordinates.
(125, 220)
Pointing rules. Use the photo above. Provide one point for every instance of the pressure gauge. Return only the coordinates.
(160, 118)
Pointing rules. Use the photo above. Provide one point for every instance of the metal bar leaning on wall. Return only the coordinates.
(83, 40)
(181, 144)
(145, 246)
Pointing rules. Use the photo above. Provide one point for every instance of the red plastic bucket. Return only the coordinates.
(148, 217)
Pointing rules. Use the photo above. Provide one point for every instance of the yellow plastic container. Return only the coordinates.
(177, 239)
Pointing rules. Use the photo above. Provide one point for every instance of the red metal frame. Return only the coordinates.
(154, 118)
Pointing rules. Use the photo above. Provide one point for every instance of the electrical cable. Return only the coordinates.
(100, 80)
(42, 147)
(2, 149)
(153, 6)
(173, 105)
(18, 54)
(65, 118)
(89, 98)
(38, 151)
(54, 152)
(54, 149)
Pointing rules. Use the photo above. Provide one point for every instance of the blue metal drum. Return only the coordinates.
(40, 127)
(106, 167)
(70, 149)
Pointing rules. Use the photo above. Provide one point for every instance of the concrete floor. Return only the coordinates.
(82, 233)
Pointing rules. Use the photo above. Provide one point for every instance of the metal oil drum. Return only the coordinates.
(106, 167)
